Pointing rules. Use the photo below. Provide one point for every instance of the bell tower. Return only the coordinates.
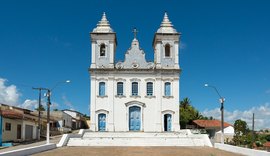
(166, 46)
(103, 45)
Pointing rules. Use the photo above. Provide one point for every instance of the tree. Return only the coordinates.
(267, 137)
(41, 108)
(240, 132)
(188, 113)
(198, 116)
(185, 103)
(86, 116)
(240, 127)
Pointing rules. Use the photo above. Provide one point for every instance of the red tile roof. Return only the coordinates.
(267, 144)
(11, 114)
(210, 123)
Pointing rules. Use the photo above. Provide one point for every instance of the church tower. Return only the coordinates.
(103, 41)
(166, 45)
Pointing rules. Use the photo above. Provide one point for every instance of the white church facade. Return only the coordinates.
(134, 95)
(134, 102)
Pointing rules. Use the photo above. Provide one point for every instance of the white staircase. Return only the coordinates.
(182, 138)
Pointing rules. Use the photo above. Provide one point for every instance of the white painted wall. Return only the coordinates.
(68, 120)
(12, 134)
(71, 113)
(152, 108)
(228, 130)
(34, 124)
(241, 150)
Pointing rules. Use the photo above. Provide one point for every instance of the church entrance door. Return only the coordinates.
(101, 122)
(167, 122)
(135, 118)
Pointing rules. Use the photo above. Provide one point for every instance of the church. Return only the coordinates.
(134, 102)
(134, 95)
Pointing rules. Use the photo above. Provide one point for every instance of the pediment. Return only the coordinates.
(135, 58)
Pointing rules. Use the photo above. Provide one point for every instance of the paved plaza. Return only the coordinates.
(137, 151)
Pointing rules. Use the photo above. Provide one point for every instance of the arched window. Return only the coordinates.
(134, 88)
(101, 88)
(120, 88)
(149, 88)
(167, 50)
(167, 89)
(102, 49)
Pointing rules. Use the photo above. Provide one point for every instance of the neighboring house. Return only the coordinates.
(63, 121)
(228, 134)
(214, 126)
(267, 146)
(17, 124)
(78, 120)
(60, 122)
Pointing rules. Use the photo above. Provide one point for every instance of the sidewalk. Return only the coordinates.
(54, 139)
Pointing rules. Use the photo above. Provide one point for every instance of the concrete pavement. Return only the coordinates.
(54, 139)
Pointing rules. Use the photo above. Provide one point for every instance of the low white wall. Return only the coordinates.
(241, 150)
(66, 137)
(29, 150)
(181, 138)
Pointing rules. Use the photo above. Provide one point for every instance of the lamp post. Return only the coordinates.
(48, 94)
(221, 100)
(39, 106)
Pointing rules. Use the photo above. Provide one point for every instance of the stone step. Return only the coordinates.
(139, 139)
(135, 142)
(133, 134)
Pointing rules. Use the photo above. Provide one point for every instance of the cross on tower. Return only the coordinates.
(135, 31)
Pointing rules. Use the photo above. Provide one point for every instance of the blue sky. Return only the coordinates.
(224, 43)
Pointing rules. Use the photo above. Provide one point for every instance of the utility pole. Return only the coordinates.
(48, 114)
(222, 119)
(221, 100)
(1, 123)
(48, 94)
(253, 137)
(39, 106)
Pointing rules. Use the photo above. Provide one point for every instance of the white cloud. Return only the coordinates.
(262, 116)
(30, 104)
(33, 104)
(8, 94)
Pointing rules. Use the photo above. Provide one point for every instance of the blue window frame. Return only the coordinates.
(101, 122)
(167, 122)
(120, 88)
(149, 88)
(167, 89)
(134, 88)
(101, 88)
(134, 118)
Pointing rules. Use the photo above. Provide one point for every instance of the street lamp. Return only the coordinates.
(221, 100)
(48, 94)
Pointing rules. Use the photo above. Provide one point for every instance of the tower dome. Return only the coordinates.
(166, 25)
(103, 25)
